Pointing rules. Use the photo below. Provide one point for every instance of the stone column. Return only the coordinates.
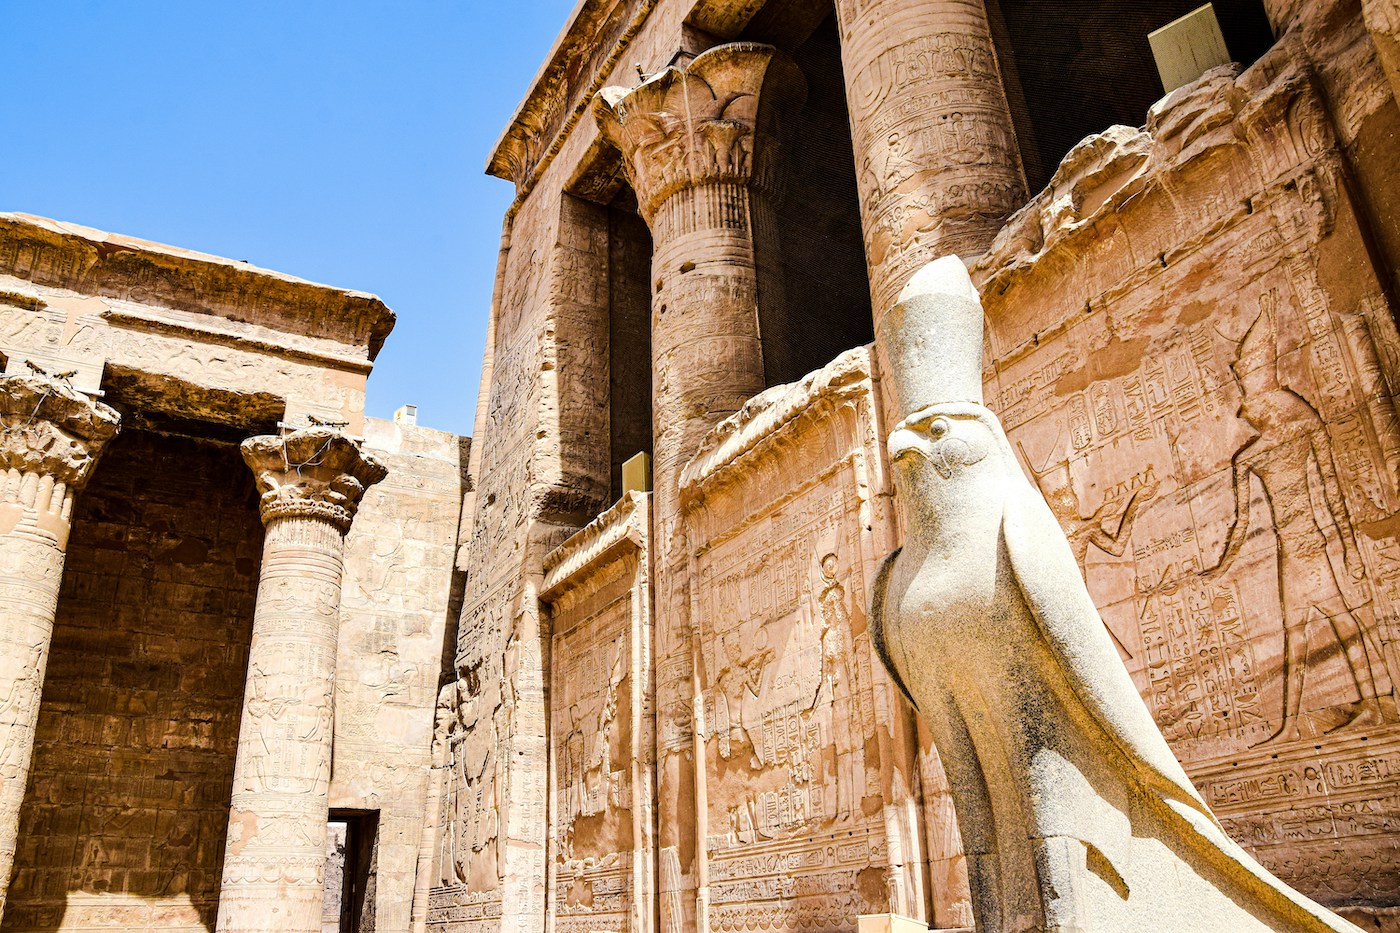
(311, 483)
(937, 163)
(50, 438)
(692, 142)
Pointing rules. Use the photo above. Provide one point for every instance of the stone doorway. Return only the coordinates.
(352, 838)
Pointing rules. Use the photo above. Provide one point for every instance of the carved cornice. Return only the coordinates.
(50, 429)
(314, 473)
(760, 424)
(93, 262)
(589, 48)
(695, 125)
(617, 530)
(1267, 126)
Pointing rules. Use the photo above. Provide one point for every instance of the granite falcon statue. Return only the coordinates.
(1075, 815)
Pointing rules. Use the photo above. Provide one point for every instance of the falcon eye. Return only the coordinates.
(939, 427)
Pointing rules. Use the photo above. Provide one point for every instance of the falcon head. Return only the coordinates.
(947, 437)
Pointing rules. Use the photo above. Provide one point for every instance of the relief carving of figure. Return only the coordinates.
(600, 761)
(16, 707)
(839, 681)
(1083, 531)
(474, 810)
(739, 680)
(1075, 815)
(1057, 486)
(1291, 455)
(575, 768)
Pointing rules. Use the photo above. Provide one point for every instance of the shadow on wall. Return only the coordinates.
(123, 825)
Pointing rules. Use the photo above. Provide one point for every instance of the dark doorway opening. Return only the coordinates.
(813, 288)
(352, 841)
(629, 336)
(1073, 68)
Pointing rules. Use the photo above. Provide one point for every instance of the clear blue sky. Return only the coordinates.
(342, 141)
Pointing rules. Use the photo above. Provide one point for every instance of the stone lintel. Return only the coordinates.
(759, 426)
(622, 527)
(50, 429)
(93, 262)
(313, 473)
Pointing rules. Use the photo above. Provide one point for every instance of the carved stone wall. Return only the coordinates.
(807, 788)
(1189, 332)
(1193, 352)
(602, 733)
(124, 823)
(491, 837)
(395, 602)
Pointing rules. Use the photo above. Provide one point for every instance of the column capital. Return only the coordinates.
(51, 429)
(694, 125)
(312, 473)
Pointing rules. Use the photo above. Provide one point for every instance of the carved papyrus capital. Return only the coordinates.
(312, 473)
(48, 429)
(695, 125)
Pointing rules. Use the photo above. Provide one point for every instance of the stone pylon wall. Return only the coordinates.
(1209, 409)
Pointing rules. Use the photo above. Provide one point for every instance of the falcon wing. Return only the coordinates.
(1052, 586)
(876, 622)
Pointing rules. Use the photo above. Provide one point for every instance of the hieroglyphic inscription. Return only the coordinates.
(593, 751)
(789, 702)
(936, 157)
(1217, 438)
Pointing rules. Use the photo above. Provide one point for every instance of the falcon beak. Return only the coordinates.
(904, 443)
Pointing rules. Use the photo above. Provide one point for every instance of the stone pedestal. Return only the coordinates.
(692, 146)
(937, 163)
(311, 483)
(50, 438)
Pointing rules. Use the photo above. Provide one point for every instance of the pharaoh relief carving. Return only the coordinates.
(787, 696)
(602, 743)
(1291, 456)
(799, 778)
(592, 779)
(470, 840)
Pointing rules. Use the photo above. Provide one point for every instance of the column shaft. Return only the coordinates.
(275, 854)
(276, 850)
(937, 163)
(692, 141)
(707, 360)
(34, 517)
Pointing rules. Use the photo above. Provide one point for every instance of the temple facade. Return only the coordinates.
(664, 714)
(270, 665)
